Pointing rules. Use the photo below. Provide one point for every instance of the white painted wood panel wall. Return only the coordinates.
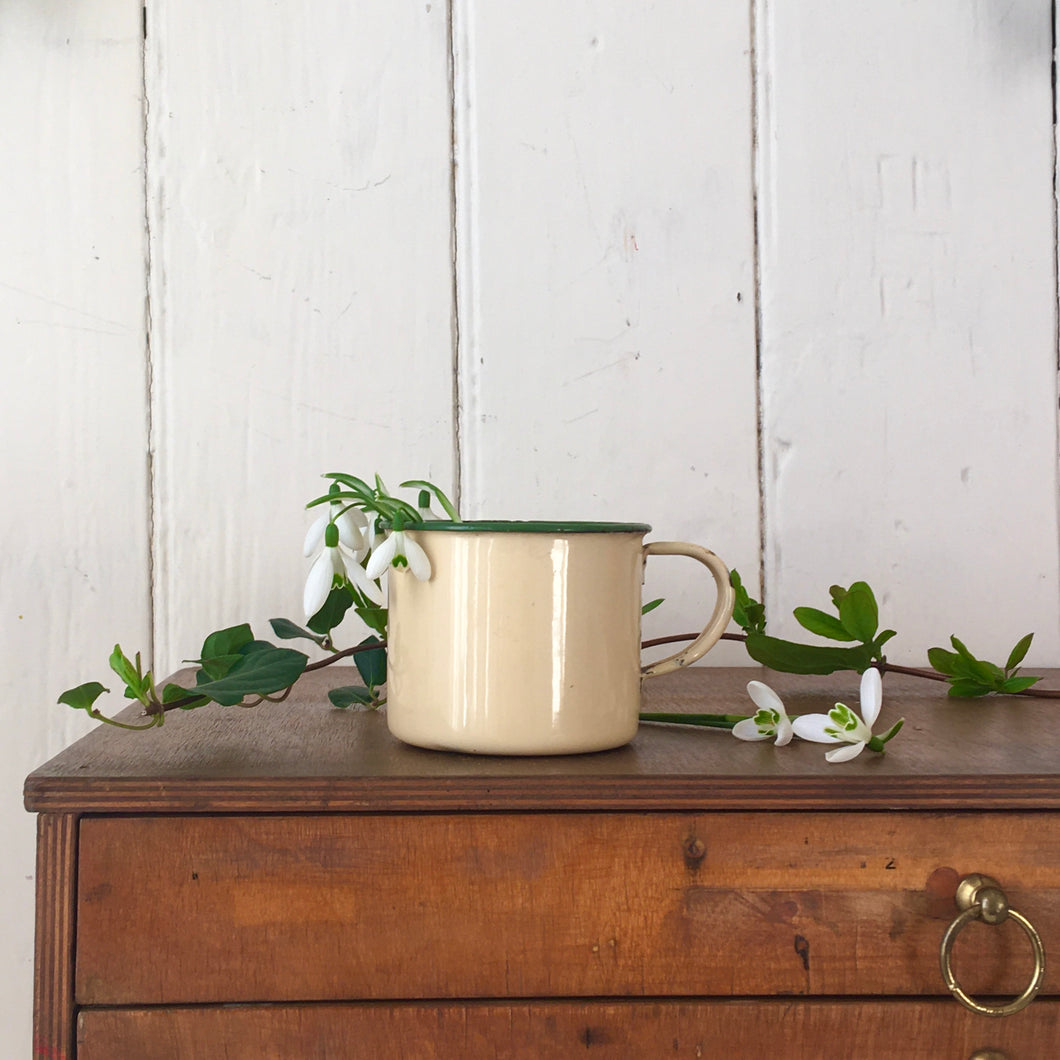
(779, 278)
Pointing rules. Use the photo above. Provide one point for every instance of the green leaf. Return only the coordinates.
(882, 639)
(789, 657)
(1018, 653)
(358, 485)
(124, 668)
(171, 693)
(374, 618)
(214, 669)
(285, 629)
(967, 688)
(371, 665)
(84, 696)
(946, 662)
(824, 625)
(1012, 685)
(836, 592)
(443, 500)
(226, 641)
(858, 612)
(893, 731)
(339, 601)
(747, 612)
(347, 697)
(258, 674)
(979, 669)
(651, 606)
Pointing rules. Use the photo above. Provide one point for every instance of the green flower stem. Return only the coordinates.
(714, 721)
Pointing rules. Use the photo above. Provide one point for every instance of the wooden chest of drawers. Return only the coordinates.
(292, 882)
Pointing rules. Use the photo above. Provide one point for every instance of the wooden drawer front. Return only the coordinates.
(199, 909)
(838, 1030)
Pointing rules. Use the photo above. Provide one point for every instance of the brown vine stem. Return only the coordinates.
(675, 638)
(883, 667)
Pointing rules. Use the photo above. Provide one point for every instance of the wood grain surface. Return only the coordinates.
(691, 1030)
(53, 979)
(208, 909)
(305, 756)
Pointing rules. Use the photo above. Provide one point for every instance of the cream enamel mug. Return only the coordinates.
(526, 638)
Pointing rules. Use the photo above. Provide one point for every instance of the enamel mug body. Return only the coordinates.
(526, 638)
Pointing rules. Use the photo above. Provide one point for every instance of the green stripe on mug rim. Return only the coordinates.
(530, 526)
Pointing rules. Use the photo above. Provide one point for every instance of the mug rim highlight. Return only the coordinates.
(530, 526)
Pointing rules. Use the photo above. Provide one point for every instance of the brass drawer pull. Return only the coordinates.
(981, 898)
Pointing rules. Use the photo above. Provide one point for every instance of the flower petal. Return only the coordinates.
(349, 532)
(764, 697)
(784, 731)
(748, 730)
(871, 695)
(845, 753)
(419, 564)
(382, 556)
(361, 580)
(321, 577)
(812, 727)
(315, 535)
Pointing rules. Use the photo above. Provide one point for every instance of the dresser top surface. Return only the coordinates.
(303, 755)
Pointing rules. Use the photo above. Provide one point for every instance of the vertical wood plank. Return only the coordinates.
(301, 286)
(53, 981)
(73, 521)
(908, 316)
(608, 350)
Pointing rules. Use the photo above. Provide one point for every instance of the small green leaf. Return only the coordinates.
(285, 629)
(789, 657)
(443, 500)
(1012, 685)
(978, 669)
(216, 668)
(651, 606)
(226, 641)
(371, 665)
(83, 696)
(358, 485)
(836, 592)
(821, 623)
(374, 618)
(747, 612)
(347, 697)
(968, 688)
(171, 693)
(339, 601)
(859, 613)
(124, 668)
(1018, 653)
(946, 662)
(893, 731)
(882, 638)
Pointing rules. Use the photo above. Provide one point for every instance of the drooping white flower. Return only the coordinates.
(333, 566)
(398, 550)
(842, 726)
(770, 720)
(423, 506)
(351, 524)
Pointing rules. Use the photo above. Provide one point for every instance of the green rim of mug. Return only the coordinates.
(530, 526)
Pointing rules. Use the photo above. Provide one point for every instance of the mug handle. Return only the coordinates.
(722, 609)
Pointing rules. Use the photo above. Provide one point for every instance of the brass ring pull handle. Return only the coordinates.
(981, 898)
